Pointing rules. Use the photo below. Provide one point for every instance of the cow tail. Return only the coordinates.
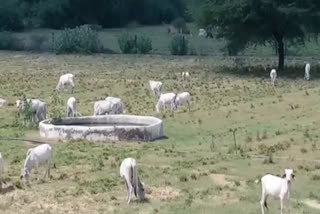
(134, 179)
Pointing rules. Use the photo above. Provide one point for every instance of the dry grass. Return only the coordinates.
(184, 173)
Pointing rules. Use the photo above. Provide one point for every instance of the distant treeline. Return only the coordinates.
(19, 14)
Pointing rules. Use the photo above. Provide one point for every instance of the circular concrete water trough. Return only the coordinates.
(104, 128)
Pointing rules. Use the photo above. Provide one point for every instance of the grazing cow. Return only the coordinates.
(65, 80)
(1, 169)
(166, 100)
(35, 157)
(129, 172)
(185, 76)
(202, 32)
(183, 98)
(3, 103)
(37, 107)
(276, 187)
(273, 76)
(155, 87)
(72, 107)
(104, 107)
(307, 72)
(118, 105)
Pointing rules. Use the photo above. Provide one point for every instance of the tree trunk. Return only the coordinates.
(280, 54)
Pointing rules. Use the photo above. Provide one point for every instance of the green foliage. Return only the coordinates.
(36, 42)
(278, 21)
(59, 14)
(25, 114)
(144, 44)
(130, 44)
(127, 43)
(9, 42)
(78, 40)
(11, 15)
(179, 45)
(57, 108)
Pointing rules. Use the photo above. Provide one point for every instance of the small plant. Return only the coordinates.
(264, 135)
(248, 139)
(128, 43)
(278, 132)
(258, 136)
(303, 150)
(78, 40)
(212, 145)
(57, 111)
(179, 45)
(306, 133)
(144, 44)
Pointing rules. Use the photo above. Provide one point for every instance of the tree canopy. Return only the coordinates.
(248, 22)
(16, 14)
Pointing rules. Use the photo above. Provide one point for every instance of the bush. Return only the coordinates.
(78, 40)
(179, 45)
(57, 109)
(36, 42)
(127, 43)
(144, 44)
(9, 42)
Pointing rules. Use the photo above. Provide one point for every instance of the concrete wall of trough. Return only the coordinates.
(104, 128)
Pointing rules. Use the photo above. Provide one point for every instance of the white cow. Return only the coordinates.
(273, 76)
(38, 109)
(129, 172)
(65, 80)
(104, 107)
(166, 100)
(72, 107)
(183, 98)
(307, 72)
(3, 103)
(118, 104)
(185, 76)
(155, 87)
(35, 157)
(1, 168)
(202, 32)
(276, 187)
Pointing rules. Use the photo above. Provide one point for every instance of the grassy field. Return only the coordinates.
(161, 41)
(197, 169)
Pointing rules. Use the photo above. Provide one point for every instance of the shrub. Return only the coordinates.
(9, 42)
(179, 45)
(57, 109)
(127, 43)
(36, 42)
(130, 44)
(78, 40)
(144, 44)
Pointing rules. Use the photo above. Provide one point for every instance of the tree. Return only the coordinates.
(250, 22)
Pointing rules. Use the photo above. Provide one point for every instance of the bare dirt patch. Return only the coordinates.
(221, 179)
(163, 193)
(312, 203)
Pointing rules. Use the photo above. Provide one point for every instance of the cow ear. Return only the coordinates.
(284, 175)
(293, 176)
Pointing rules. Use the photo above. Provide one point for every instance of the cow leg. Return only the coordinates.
(47, 174)
(188, 105)
(130, 193)
(281, 205)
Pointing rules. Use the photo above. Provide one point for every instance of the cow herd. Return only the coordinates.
(272, 186)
